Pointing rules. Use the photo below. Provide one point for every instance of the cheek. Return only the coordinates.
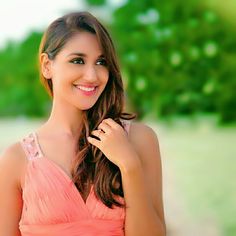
(65, 77)
(103, 75)
(64, 70)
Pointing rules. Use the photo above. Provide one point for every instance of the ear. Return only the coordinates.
(46, 66)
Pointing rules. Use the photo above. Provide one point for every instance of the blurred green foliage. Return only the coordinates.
(20, 90)
(177, 58)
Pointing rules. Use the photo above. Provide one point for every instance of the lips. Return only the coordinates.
(86, 88)
(86, 85)
(87, 92)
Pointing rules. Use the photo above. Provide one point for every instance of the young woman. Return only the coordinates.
(88, 170)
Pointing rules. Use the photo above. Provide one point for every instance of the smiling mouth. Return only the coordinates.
(84, 87)
(86, 90)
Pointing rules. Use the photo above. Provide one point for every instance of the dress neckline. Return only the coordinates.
(61, 170)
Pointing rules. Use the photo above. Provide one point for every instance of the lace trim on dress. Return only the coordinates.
(30, 147)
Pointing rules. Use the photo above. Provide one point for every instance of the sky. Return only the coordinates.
(19, 17)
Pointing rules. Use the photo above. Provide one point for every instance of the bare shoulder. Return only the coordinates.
(142, 138)
(13, 154)
(145, 142)
(12, 160)
(138, 128)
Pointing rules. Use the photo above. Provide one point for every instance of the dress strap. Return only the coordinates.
(30, 147)
(126, 124)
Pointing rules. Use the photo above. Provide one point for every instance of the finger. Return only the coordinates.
(93, 141)
(111, 122)
(97, 133)
(105, 127)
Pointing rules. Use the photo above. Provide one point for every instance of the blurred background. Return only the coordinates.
(178, 62)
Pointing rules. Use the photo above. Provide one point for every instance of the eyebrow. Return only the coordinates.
(81, 54)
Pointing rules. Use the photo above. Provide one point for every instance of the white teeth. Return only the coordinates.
(85, 88)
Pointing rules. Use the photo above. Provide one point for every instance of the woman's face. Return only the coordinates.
(79, 72)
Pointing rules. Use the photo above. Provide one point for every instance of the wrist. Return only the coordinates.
(131, 166)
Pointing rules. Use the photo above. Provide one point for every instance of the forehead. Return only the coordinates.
(84, 42)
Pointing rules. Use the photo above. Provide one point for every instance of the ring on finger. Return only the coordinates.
(99, 133)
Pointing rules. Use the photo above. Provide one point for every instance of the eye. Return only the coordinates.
(78, 60)
(102, 62)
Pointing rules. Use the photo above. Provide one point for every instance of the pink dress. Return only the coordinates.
(52, 205)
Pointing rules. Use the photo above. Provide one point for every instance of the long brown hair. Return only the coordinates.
(90, 164)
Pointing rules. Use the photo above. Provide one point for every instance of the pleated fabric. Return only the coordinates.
(52, 205)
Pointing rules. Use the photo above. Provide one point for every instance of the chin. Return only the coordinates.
(84, 107)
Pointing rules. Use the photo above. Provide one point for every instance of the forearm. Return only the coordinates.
(141, 217)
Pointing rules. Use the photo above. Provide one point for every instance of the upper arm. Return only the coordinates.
(146, 145)
(10, 192)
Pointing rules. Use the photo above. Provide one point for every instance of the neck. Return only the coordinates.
(64, 120)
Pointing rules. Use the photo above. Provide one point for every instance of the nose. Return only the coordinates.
(90, 73)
